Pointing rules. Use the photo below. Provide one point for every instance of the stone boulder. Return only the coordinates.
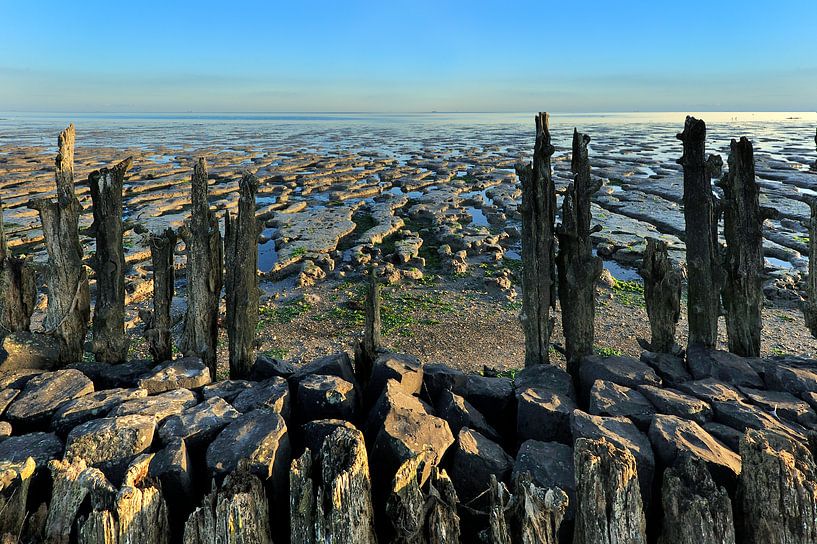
(624, 371)
(28, 350)
(172, 467)
(670, 368)
(725, 434)
(183, 373)
(438, 378)
(226, 389)
(794, 375)
(550, 465)
(675, 403)
(111, 443)
(784, 405)
(721, 365)
(337, 364)
(159, 406)
(459, 413)
(43, 447)
(7, 396)
(610, 399)
(326, 397)
(404, 369)
(257, 439)
(711, 390)
(473, 461)
(548, 377)
(543, 415)
(18, 378)
(91, 406)
(112, 376)
(624, 434)
(198, 425)
(494, 398)
(45, 393)
(673, 437)
(272, 393)
(265, 368)
(742, 416)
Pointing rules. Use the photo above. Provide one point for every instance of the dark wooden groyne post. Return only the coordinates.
(157, 322)
(538, 215)
(578, 268)
(110, 344)
(18, 288)
(704, 275)
(241, 279)
(372, 343)
(205, 273)
(69, 300)
(810, 305)
(662, 295)
(743, 228)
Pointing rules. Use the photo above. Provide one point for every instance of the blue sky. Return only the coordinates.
(145, 56)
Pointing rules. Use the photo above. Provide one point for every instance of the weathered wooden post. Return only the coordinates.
(18, 288)
(662, 295)
(704, 275)
(157, 322)
(205, 273)
(810, 305)
(69, 300)
(743, 228)
(367, 351)
(538, 215)
(110, 344)
(577, 266)
(241, 280)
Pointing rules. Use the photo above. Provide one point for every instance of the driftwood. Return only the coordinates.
(662, 295)
(695, 509)
(338, 508)
(110, 344)
(241, 278)
(743, 228)
(18, 288)
(778, 489)
(538, 214)
(577, 266)
(704, 275)
(69, 301)
(609, 508)
(204, 274)
(157, 322)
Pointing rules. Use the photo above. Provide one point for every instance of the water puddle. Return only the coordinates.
(267, 254)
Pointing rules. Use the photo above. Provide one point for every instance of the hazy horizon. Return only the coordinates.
(402, 57)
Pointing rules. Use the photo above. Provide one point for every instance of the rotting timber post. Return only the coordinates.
(743, 228)
(538, 216)
(110, 344)
(577, 266)
(372, 344)
(662, 296)
(18, 288)
(241, 278)
(810, 305)
(205, 273)
(157, 322)
(69, 299)
(704, 274)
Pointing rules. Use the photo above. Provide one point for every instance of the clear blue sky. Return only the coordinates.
(146, 56)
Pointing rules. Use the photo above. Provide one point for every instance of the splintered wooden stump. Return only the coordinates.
(18, 288)
(577, 266)
(538, 215)
(15, 479)
(609, 508)
(367, 351)
(704, 274)
(810, 305)
(69, 301)
(743, 228)
(241, 280)
(337, 508)
(157, 322)
(110, 344)
(662, 295)
(204, 273)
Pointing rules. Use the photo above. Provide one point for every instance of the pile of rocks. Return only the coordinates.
(711, 448)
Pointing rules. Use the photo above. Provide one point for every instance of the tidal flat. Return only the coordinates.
(435, 195)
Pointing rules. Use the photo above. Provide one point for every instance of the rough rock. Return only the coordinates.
(438, 378)
(91, 406)
(110, 443)
(45, 393)
(171, 466)
(610, 399)
(670, 368)
(43, 447)
(187, 373)
(198, 425)
(726, 434)
(721, 365)
(268, 367)
(792, 375)
(109, 376)
(548, 377)
(321, 397)
(459, 413)
(473, 461)
(550, 465)
(404, 369)
(159, 406)
(675, 403)
(226, 389)
(494, 398)
(785, 405)
(711, 390)
(28, 350)
(543, 415)
(624, 371)
(742, 416)
(337, 364)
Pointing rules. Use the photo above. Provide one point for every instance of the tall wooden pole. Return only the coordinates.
(157, 322)
(538, 216)
(18, 289)
(241, 259)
